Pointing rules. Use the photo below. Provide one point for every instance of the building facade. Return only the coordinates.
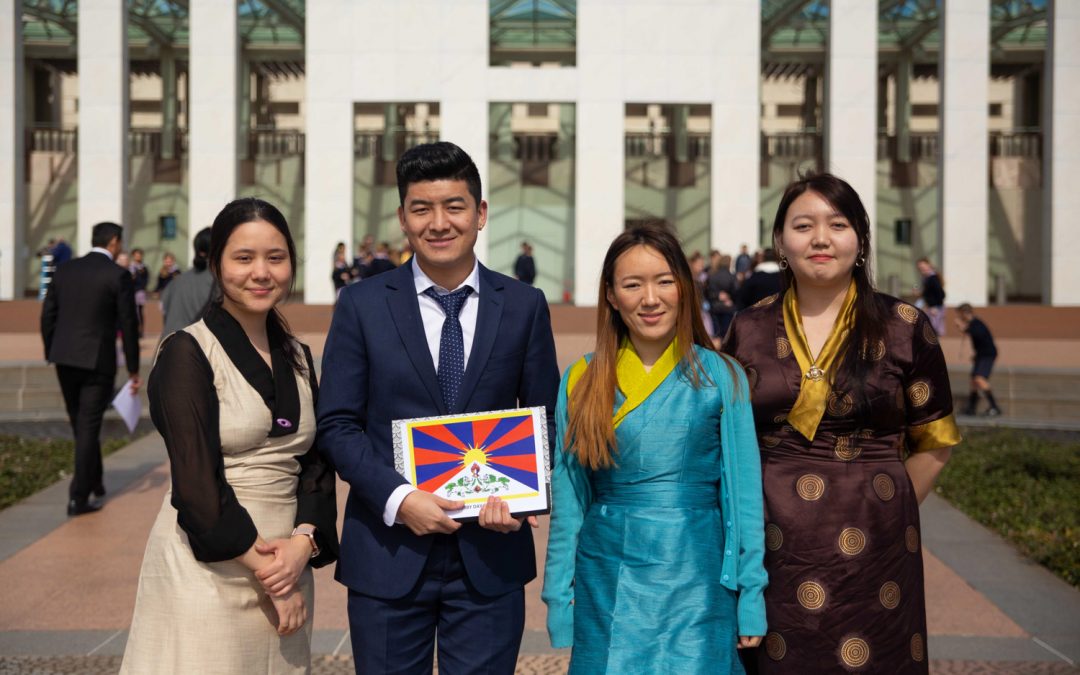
(958, 122)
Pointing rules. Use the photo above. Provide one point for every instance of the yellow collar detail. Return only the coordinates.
(815, 385)
(637, 384)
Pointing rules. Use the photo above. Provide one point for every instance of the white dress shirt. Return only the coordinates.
(433, 316)
(103, 251)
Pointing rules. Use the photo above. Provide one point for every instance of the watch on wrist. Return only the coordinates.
(309, 532)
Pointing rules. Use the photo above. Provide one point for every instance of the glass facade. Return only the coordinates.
(530, 192)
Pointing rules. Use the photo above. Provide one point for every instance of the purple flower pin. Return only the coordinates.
(284, 423)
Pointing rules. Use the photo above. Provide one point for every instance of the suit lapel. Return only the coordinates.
(487, 328)
(405, 312)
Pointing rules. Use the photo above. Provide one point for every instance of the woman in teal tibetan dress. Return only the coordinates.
(655, 557)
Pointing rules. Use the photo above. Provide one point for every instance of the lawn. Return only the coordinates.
(1026, 488)
(30, 464)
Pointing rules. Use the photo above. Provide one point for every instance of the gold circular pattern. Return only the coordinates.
(810, 487)
(855, 652)
(884, 487)
(774, 538)
(889, 595)
(852, 541)
(775, 646)
(907, 312)
(770, 441)
(844, 448)
(783, 348)
(918, 649)
(919, 393)
(780, 419)
(811, 595)
(752, 377)
(876, 352)
(839, 404)
(765, 302)
(929, 334)
(911, 538)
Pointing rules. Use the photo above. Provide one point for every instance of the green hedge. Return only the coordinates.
(1026, 488)
(31, 464)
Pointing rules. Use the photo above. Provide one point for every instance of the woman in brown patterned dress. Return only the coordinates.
(854, 416)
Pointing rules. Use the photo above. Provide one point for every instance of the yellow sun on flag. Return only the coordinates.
(474, 455)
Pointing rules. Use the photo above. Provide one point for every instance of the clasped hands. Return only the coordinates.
(279, 579)
(425, 513)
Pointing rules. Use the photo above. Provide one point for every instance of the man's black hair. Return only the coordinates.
(437, 161)
(103, 233)
(202, 248)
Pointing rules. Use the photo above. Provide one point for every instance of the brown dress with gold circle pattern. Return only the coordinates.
(842, 520)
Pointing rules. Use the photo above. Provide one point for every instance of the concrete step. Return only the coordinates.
(29, 390)
(1042, 394)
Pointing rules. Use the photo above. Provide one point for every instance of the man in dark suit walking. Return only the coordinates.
(439, 335)
(87, 300)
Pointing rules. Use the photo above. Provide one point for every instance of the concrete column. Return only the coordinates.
(168, 103)
(214, 68)
(12, 158)
(902, 108)
(243, 112)
(736, 127)
(964, 73)
(1061, 156)
(851, 100)
(103, 116)
(328, 158)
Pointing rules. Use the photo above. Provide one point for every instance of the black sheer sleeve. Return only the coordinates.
(184, 408)
(316, 498)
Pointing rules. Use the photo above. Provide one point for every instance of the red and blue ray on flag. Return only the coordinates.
(503, 442)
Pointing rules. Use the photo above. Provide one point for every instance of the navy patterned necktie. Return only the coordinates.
(451, 344)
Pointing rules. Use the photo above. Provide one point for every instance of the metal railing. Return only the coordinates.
(653, 145)
(796, 145)
(372, 143)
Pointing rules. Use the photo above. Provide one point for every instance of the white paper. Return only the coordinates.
(128, 405)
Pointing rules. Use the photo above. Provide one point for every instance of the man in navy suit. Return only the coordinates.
(392, 353)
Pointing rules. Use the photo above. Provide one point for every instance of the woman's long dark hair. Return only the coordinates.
(868, 334)
(235, 214)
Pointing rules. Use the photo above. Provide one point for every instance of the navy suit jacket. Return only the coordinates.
(377, 368)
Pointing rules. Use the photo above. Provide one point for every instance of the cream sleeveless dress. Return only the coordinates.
(211, 618)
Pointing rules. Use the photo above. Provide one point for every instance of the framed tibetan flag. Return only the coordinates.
(475, 456)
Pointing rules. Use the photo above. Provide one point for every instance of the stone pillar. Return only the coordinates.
(243, 112)
(103, 117)
(212, 143)
(1061, 156)
(736, 128)
(12, 158)
(168, 103)
(963, 165)
(328, 157)
(851, 100)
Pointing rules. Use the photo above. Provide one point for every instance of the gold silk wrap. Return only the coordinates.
(635, 382)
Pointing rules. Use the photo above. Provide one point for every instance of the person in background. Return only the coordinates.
(226, 584)
(762, 283)
(984, 352)
(854, 417)
(185, 300)
(524, 265)
(89, 297)
(380, 261)
(124, 260)
(654, 561)
(932, 295)
(342, 273)
(141, 276)
(720, 292)
(167, 273)
(744, 264)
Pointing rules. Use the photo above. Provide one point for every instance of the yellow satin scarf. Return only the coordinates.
(806, 414)
(634, 382)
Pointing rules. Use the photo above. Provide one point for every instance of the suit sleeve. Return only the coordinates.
(540, 376)
(343, 412)
(129, 320)
(184, 407)
(316, 498)
(49, 311)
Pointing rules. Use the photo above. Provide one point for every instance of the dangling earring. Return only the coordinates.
(861, 260)
(783, 263)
